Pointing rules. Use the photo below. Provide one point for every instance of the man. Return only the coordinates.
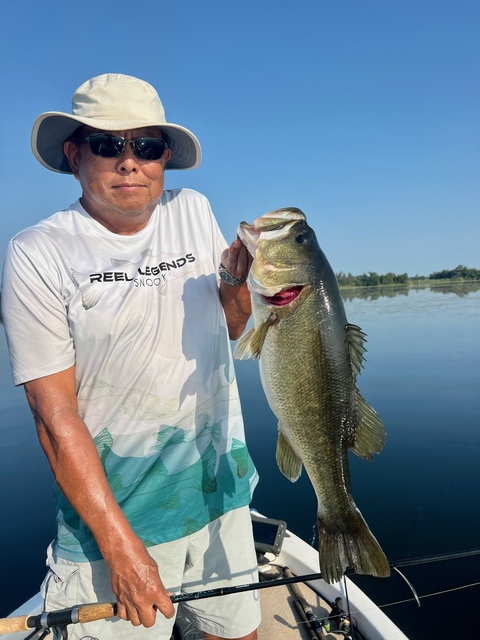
(118, 314)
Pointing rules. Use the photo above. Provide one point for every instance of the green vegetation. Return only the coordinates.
(459, 273)
(372, 279)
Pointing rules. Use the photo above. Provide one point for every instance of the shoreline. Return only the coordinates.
(413, 284)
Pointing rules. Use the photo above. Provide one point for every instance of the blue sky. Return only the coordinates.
(363, 113)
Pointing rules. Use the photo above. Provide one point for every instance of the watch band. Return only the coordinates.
(227, 277)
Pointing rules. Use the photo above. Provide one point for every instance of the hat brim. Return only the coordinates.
(52, 128)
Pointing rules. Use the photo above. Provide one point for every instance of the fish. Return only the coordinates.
(309, 359)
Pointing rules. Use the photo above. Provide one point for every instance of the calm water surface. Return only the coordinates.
(420, 496)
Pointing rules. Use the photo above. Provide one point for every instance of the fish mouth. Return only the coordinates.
(284, 297)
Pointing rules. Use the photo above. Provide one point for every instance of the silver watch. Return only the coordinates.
(227, 277)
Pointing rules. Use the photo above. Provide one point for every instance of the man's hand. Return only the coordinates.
(237, 259)
(138, 588)
(235, 299)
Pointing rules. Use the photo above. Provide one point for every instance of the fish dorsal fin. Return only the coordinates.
(356, 339)
(251, 343)
(288, 461)
(370, 433)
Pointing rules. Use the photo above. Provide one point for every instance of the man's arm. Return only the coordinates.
(76, 466)
(235, 299)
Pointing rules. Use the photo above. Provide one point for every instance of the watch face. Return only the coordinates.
(227, 277)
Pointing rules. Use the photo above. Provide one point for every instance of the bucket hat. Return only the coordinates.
(111, 102)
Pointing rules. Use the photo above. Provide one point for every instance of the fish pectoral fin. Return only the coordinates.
(370, 433)
(356, 344)
(288, 461)
(251, 343)
(242, 349)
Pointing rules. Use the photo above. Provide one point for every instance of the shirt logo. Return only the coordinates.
(126, 275)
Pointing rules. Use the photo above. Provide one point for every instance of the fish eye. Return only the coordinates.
(301, 238)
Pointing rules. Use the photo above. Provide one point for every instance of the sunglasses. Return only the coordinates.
(108, 146)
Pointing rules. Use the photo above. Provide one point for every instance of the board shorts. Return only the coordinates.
(221, 554)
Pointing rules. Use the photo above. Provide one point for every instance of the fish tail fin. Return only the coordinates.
(357, 547)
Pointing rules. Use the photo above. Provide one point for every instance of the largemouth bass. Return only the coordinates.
(310, 357)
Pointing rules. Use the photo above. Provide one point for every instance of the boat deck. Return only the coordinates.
(280, 618)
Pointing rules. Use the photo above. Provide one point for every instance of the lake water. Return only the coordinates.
(420, 496)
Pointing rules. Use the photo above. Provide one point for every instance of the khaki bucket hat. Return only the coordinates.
(111, 102)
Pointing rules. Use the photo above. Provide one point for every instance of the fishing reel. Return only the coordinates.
(344, 626)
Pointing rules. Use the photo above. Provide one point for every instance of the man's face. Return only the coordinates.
(120, 193)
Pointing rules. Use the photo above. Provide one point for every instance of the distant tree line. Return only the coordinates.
(373, 279)
(459, 273)
(370, 279)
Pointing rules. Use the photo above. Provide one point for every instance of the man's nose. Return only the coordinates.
(127, 160)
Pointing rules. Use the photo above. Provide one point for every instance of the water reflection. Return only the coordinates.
(461, 289)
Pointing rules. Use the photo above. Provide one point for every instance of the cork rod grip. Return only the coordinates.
(83, 613)
(90, 612)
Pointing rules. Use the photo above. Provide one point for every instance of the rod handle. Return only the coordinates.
(10, 625)
(83, 613)
(90, 612)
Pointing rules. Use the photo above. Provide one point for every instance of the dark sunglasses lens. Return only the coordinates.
(149, 148)
(106, 146)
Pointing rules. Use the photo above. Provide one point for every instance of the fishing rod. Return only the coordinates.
(304, 610)
(90, 612)
(456, 555)
(426, 560)
(223, 591)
